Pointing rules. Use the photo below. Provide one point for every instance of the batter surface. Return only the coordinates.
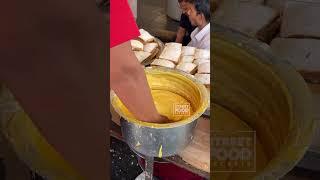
(166, 103)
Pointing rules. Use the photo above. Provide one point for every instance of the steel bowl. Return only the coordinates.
(162, 140)
(267, 94)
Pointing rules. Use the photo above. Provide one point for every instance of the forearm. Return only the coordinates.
(137, 98)
(129, 82)
(179, 38)
(180, 34)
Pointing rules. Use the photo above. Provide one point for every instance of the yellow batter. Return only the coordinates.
(227, 122)
(165, 102)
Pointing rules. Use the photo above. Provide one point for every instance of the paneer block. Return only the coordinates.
(301, 19)
(303, 54)
(248, 18)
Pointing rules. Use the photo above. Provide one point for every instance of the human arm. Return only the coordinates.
(180, 34)
(183, 26)
(128, 80)
(127, 77)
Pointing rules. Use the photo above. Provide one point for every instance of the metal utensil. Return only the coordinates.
(163, 140)
(155, 142)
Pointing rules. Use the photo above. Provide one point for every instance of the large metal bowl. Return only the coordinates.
(268, 95)
(162, 140)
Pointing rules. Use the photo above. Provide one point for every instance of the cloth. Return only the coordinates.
(122, 23)
(201, 38)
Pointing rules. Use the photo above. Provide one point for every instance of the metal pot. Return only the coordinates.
(268, 95)
(162, 140)
(157, 142)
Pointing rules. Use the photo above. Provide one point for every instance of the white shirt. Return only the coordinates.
(201, 38)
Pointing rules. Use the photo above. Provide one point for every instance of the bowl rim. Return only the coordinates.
(203, 106)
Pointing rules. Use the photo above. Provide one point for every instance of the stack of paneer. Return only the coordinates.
(144, 46)
(188, 59)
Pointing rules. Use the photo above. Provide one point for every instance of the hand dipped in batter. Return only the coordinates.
(161, 120)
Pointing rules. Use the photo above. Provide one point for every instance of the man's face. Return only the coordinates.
(184, 7)
(194, 18)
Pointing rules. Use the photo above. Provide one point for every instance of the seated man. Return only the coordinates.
(199, 15)
(185, 28)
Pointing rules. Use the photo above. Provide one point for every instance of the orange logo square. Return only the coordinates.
(181, 109)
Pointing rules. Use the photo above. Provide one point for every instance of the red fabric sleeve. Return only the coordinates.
(122, 23)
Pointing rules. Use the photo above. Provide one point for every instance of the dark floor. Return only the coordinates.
(124, 164)
(302, 174)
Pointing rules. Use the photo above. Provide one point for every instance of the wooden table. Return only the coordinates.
(115, 131)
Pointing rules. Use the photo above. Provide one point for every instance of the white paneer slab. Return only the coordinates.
(171, 52)
(203, 78)
(150, 47)
(174, 45)
(248, 18)
(145, 36)
(200, 61)
(303, 54)
(204, 68)
(136, 45)
(188, 59)
(141, 55)
(202, 54)
(163, 63)
(187, 67)
(301, 19)
(188, 51)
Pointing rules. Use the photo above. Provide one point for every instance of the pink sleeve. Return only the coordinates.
(122, 23)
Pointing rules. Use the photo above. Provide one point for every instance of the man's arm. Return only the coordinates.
(127, 77)
(180, 34)
(128, 80)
